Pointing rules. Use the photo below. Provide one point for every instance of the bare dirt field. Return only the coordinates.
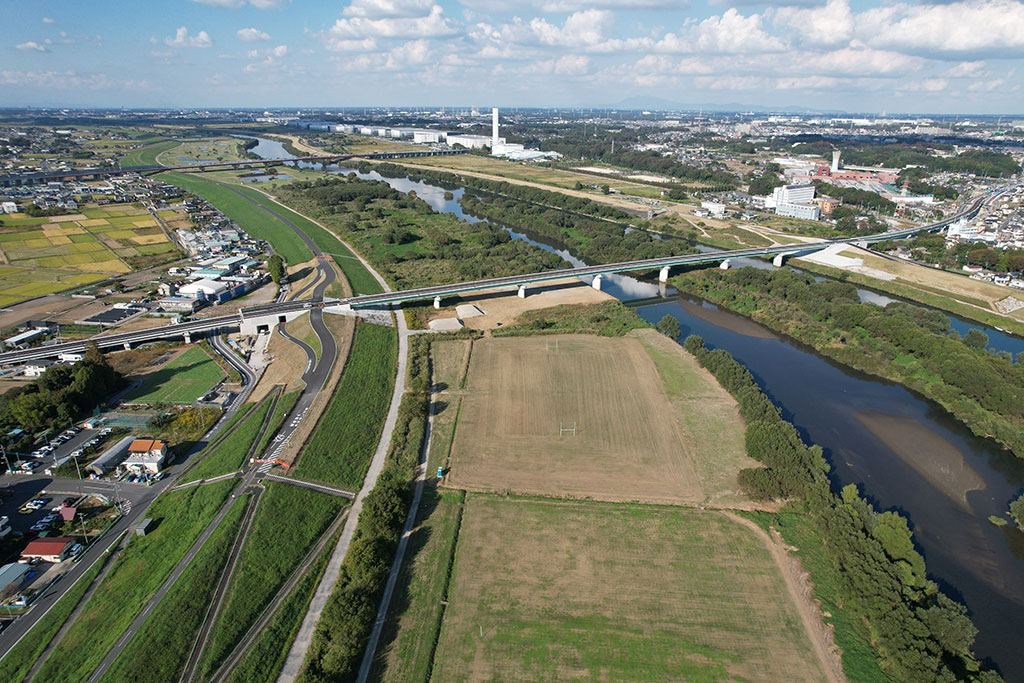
(504, 306)
(556, 590)
(520, 392)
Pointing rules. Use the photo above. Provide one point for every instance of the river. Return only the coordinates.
(904, 452)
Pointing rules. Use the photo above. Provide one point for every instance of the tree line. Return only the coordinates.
(917, 632)
(60, 396)
(902, 342)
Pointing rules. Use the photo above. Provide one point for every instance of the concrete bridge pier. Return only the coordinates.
(522, 291)
(127, 346)
(188, 337)
(663, 274)
(596, 284)
(778, 261)
(437, 302)
(726, 264)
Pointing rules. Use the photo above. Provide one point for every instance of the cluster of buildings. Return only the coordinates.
(1000, 225)
(227, 262)
(131, 456)
(873, 179)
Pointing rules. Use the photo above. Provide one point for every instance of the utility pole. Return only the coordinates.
(3, 450)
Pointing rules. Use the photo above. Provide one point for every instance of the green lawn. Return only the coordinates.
(228, 455)
(183, 380)
(146, 156)
(343, 442)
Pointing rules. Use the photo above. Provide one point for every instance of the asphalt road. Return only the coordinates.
(140, 496)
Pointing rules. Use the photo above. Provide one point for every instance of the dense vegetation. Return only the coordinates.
(1017, 511)
(345, 623)
(340, 448)
(906, 343)
(228, 455)
(934, 250)
(610, 319)
(410, 243)
(918, 632)
(976, 161)
(851, 195)
(60, 395)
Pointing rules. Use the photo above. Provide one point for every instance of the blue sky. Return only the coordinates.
(941, 57)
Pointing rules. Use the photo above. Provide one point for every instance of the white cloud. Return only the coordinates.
(413, 53)
(377, 9)
(971, 27)
(235, 4)
(69, 79)
(572, 5)
(252, 34)
(433, 25)
(589, 28)
(966, 70)
(270, 58)
(364, 45)
(832, 24)
(32, 46)
(567, 65)
(733, 33)
(48, 20)
(183, 39)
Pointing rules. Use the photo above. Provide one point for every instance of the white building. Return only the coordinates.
(203, 289)
(795, 201)
(714, 208)
(807, 212)
(471, 141)
(10, 207)
(426, 137)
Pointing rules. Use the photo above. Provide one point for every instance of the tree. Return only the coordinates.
(1017, 511)
(976, 339)
(275, 266)
(669, 326)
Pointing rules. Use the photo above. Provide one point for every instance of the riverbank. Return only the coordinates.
(904, 344)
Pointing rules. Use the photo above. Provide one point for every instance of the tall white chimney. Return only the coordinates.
(835, 161)
(494, 127)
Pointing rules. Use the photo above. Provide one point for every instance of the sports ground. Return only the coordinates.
(183, 379)
(592, 556)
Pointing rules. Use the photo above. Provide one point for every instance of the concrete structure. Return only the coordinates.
(468, 141)
(795, 201)
(146, 455)
(111, 458)
(807, 212)
(10, 207)
(494, 127)
(835, 161)
(48, 549)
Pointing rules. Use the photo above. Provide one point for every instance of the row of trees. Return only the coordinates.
(918, 633)
(903, 342)
(60, 395)
(344, 626)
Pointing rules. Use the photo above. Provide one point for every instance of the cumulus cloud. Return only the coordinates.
(33, 46)
(832, 24)
(269, 58)
(433, 25)
(183, 39)
(967, 70)
(586, 29)
(252, 34)
(48, 20)
(973, 26)
(572, 5)
(377, 9)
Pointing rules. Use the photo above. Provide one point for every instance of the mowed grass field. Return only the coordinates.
(50, 254)
(550, 590)
(182, 380)
(522, 394)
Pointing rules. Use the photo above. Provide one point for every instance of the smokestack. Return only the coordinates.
(835, 161)
(494, 127)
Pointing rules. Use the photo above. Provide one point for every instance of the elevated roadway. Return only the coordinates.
(271, 314)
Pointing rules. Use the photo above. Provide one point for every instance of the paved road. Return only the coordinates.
(140, 497)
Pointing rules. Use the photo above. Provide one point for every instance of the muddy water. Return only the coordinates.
(905, 453)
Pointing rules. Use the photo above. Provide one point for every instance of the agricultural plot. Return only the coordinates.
(182, 380)
(571, 415)
(566, 590)
(50, 254)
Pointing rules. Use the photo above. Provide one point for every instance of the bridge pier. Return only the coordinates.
(188, 337)
(127, 346)
(726, 265)
(437, 302)
(596, 284)
(778, 260)
(522, 291)
(663, 274)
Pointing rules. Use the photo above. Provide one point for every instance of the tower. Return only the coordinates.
(494, 127)
(835, 161)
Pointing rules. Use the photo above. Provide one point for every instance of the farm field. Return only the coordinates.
(523, 393)
(49, 254)
(567, 590)
(182, 380)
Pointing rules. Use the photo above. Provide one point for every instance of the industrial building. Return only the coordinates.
(795, 201)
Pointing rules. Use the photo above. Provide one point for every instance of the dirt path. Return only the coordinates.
(828, 653)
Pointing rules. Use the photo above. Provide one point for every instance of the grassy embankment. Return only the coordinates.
(288, 522)
(146, 155)
(161, 646)
(140, 570)
(229, 455)
(340, 448)
(17, 662)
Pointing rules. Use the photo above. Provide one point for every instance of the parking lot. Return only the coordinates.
(24, 489)
(60, 451)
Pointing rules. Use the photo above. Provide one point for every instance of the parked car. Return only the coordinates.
(76, 550)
